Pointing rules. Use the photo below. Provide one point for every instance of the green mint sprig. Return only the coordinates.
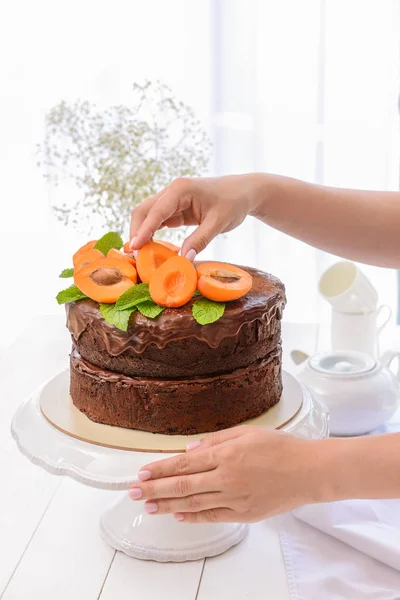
(118, 318)
(66, 273)
(134, 296)
(149, 309)
(108, 241)
(207, 311)
(71, 294)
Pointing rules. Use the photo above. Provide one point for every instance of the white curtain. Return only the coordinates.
(307, 89)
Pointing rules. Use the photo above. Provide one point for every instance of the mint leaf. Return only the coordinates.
(71, 294)
(132, 297)
(207, 311)
(138, 296)
(108, 241)
(67, 273)
(113, 316)
(149, 309)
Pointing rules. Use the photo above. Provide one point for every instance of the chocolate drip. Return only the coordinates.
(265, 302)
(88, 368)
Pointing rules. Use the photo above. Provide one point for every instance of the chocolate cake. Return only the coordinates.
(172, 375)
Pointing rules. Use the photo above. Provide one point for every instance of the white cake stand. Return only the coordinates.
(126, 527)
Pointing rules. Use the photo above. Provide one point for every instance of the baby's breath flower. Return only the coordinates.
(120, 155)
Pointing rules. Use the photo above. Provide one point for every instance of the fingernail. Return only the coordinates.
(144, 475)
(193, 445)
(179, 516)
(151, 507)
(191, 255)
(132, 243)
(135, 493)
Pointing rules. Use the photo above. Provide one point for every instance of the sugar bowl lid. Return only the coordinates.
(344, 363)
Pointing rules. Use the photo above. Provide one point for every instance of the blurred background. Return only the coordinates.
(306, 89)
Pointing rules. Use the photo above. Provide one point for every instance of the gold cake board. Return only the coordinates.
(63, 414)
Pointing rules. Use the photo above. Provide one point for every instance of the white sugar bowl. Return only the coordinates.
(360, 392)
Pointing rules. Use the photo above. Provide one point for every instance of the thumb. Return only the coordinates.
(201, 237)
(215, 438)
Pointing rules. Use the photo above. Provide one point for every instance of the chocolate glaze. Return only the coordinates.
(264, 302)
(85, 367)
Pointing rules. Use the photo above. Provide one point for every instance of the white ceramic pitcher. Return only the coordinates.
(359, 331)
(356, 321)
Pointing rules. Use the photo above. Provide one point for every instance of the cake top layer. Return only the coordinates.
(265, 302)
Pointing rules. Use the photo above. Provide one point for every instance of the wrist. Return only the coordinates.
(265, 189)
(336, 470)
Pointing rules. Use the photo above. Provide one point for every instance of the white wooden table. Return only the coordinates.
(43, 557)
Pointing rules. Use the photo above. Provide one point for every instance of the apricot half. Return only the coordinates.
(127, 249)
(222, 282)
(87, 257)
(150, 257)
(169, 245)
(78, 254)
(117, 255)
(106, 279)
(174, 282)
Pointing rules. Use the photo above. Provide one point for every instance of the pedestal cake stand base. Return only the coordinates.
(126, 527)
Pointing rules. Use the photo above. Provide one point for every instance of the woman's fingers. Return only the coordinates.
(214, 204)
(175, 221)
(213, 515)
(173, 199)
(215, 438)
(200, 461)
(195, 503)
(182, 464)
(185, 217)
(140, 212)
(202, 236)
(173, 207)
(161, 211)
(175, 487)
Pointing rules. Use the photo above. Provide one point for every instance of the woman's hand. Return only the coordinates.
(355, 224)
(216, 205)
(242, 475)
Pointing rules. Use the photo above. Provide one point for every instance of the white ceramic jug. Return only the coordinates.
(359, 331)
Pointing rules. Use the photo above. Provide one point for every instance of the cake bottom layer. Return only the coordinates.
(176, 406)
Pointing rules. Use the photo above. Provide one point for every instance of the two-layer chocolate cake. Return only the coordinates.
(171, 374)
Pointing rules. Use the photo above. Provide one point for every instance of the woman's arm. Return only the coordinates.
(359, 225)
(246, 474)
(365, 467)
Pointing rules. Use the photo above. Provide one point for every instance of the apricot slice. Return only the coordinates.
(151, 256)
(174, 282)
(106, 279)
(169, 245)
(117, 255)
(77, 256)
(222, 282)
(127, 249)
(87, 257)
